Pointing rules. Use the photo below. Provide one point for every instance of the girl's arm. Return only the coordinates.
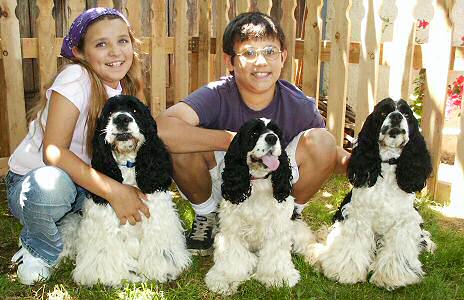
(61, 122)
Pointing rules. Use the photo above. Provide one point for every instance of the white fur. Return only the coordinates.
(255, 240)
(380, 232)
(109, 253)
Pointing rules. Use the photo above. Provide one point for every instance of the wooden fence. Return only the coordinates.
(195, 61)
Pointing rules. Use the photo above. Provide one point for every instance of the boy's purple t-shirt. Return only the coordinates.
(220, 106)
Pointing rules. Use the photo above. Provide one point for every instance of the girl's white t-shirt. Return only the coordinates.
(74, 84)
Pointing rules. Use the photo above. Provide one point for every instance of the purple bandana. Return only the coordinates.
(81, 23)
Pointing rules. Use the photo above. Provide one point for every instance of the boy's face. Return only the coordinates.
(259, 75)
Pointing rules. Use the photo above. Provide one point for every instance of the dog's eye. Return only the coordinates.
(134, 110)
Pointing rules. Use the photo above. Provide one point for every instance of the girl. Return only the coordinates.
(49, 173)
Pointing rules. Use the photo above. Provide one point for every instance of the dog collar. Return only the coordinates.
(129, 164)
(391, 161)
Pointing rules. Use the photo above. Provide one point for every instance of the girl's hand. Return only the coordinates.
(127, 202)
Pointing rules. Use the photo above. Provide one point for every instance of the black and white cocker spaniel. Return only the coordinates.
(126, 147)
(377, 230)
(256, 232)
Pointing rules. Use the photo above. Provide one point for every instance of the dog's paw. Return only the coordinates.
(394, 276)
(289, 277)
(220, 284)
(347, 274)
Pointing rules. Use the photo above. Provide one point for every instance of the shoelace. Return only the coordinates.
(201, 227)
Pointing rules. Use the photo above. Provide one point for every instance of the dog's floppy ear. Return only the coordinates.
(364, 165)
(414, 164)
(153, 165)
(102, 157)
(236, 185)
(282, 176)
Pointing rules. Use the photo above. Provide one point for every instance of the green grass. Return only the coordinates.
(444, 268)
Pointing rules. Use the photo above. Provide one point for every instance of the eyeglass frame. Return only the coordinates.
(258, 53)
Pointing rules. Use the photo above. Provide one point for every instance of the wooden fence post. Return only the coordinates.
(204, 43)
(222, 19)
(402, 48)
(288, 24)
(264, 6)
(368, 63)
(158, 56)
(457, 186)
(181, 83)
(75, 8)
(105, 3)
(134, 11)
(46, 41)
(339, 58)
(312, 49)
(437, 56)
(242, 6)
(12, 64)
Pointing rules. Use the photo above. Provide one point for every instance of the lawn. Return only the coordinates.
(444, 269)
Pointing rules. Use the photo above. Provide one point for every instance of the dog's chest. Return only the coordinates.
(384, 203)
(258, 218)
(128, 175)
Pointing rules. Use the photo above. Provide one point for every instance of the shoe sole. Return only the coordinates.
(201, 252)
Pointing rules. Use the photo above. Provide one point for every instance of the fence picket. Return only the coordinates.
(457, 188)
(181, 83)
(134, 11)
(12, 65)
(402, 48)
(221, 20)
(46, 37)
(288, 23)
(75, 8)
(338, 80)
(437, 62)
(312, 49)
(242, 6)
(204, 42)
(105, 3)
(368, 63)
(158, 57)
(264, 6)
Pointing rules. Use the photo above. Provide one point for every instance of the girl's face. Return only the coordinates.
(108, 49)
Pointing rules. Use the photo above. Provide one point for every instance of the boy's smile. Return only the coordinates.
(256, 78)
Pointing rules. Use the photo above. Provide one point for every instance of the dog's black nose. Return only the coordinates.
(271, 139)
(121, 121)
(396, 118)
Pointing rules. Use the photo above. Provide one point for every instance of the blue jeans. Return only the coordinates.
(40, 199)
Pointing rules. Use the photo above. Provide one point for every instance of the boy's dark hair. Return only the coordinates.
(239, 29)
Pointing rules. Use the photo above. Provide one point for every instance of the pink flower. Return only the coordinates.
(423, 23)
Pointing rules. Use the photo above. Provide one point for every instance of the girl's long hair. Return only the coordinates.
(132, 84)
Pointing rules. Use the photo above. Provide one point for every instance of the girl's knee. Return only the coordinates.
(50, 185)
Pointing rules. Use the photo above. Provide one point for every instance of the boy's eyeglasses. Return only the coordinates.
(269, 53)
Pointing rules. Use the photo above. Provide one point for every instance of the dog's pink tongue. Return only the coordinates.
(271, 161)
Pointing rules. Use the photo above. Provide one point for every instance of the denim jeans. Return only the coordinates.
(40, 199)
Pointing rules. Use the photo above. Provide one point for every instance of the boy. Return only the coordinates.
(199, 129)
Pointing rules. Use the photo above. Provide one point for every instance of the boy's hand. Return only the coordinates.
(127, 202)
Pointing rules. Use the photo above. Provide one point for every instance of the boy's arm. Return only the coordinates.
(178, 128)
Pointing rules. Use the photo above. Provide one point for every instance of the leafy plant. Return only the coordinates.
(455, 92)
(417, 98)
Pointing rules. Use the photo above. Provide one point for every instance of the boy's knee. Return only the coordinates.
(320, 147)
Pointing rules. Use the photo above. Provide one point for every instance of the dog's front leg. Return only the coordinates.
(163, 252)
(233, 264)
(397, 263)
(275, 267)
(102, 254)
(348, 252)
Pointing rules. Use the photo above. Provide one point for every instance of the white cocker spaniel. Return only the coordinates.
(256, 231)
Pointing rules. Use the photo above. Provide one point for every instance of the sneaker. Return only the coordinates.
(30, 268)
(200, 239)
